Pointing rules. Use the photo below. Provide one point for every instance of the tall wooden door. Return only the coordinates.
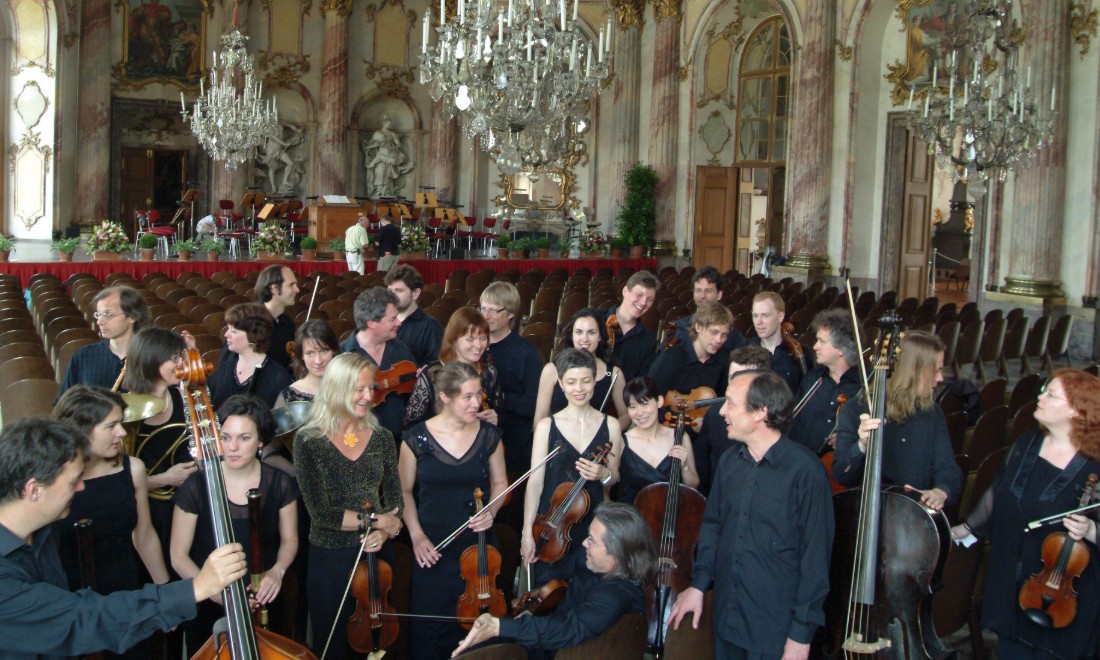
(137, 183)
(722, 233)
(916, 220)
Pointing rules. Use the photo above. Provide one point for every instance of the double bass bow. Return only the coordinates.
(480, 566)
(674, 513)
(234, 636)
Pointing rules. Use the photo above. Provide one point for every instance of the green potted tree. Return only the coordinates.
(7, 246)
(184, 248)
(213, 247)
(637, 221)
(309, 248)
(148, 246)
(66, 247)
(618, 245)
(517, 249)
(503, 245)
(542, 245)
(337, 247)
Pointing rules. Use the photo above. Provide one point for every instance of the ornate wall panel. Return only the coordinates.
(32, 29)
(30, 164)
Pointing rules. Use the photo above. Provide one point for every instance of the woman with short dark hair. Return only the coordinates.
(649, 446)
(246, 369)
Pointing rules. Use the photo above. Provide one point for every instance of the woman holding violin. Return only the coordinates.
(586, 333)
(246, 368)
(246, 427)
(1043, 475)
(465, 341)
(649, 447)
(581, 432)
(315, 345)
(344, 457)
(442, 461)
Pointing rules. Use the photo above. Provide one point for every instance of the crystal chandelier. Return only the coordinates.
(520, 76)
(230, 119)
(980, 115)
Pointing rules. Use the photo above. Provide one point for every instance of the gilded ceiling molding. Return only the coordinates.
(1082, 26)
(306, 5)
(390, 80)
(843, 52)
(342, 7)
(683, 72)
(663, 9)
(286, 69)
(629, 13)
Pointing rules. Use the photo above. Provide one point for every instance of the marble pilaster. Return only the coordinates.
(626, 59)
(93, 124)
(663, 122)
(442, 153)
(332, 131)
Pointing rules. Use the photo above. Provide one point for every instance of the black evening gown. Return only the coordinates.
(444, 500)
(635, 473)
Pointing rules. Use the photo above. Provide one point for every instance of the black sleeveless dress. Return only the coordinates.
(599, 394)
(444, 497)
(635, 473)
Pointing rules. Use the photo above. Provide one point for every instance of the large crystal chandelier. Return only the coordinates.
(230, 119)
(519, 75)
(980, 114)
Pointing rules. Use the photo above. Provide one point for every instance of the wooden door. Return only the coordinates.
(715, 217)
(916, 220)
(137, 183)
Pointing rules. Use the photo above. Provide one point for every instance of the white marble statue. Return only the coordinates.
(385, 162)
(278, 156)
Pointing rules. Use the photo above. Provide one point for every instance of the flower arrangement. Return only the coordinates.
(592, 241)
(271, 238)
(108, 237)
(413, 238)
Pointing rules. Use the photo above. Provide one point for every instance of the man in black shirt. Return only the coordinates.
(837, 372)
(767, 532)
(767, 317)
(619, 558)
(420, 332)
(120, 313)
(389, 243)
(635, 344)
(41, 467)
(700, 362)
(277, 288)
(706, 287)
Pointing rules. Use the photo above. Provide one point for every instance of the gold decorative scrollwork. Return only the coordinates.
(629, 13)
(568, 188)
(843, 52)
(683, 72)
(30, 140)
(1082, 26)
(306, 5)
(734, 33)
(342, 7)
(286, 69)
(663, 9)
(390, 80)
(71, 21)
(372, 10)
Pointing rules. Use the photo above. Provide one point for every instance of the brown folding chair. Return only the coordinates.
(27, 397)
(626, 640)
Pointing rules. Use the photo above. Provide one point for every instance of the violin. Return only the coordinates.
(480, 567)
(695, 403)
(674, 513)
(542, 600)
(256, 549)
(786, 330)
(670, 336)
(84, 553)
(398, 379)
(368, 631)
(1048, 597)
(234, 637)
(568, 505)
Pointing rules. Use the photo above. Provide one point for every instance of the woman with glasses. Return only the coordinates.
(315, 345)
(917, 449)
(586, 333)
(1043, 474)
(580, 431)
(246, 368)
(464, 341)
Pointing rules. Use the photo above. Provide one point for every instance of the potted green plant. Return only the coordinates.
(637, 220)
(618, 245)
(370, 250)
(184, 248)
(213, 247)
(592, 243)
(271, 242)
(66, 247)
(148, 246)
(414, 242)
(108, 242)
(7, 246)
(517, 249)
(309, 248)
(542, 245)
(338, 247)
(503, 244)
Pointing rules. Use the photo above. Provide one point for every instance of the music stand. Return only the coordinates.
(252, 200)
(427, 199)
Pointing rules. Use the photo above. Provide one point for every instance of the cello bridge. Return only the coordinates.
(667, 563)
(855, 644)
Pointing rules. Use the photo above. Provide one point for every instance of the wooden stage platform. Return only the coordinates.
(433, 270)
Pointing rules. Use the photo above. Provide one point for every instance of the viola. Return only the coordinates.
(826, 452)
(480, 567)
(695, 403)
(542, 600)
(1048, 597)
(674, 513)
(370, 585)
(398, 379)
(568, 505)
(234, 638)
(786, 330)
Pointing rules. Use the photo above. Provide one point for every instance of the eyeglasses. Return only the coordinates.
(490, 311)
(1045, 391)
(106, 316)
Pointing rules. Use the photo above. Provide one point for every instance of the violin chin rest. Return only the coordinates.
(1039, 617)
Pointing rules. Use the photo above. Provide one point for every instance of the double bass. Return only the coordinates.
(888, 554)
(234, 636)
(674, 513)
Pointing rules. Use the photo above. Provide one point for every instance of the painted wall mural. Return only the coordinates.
(163, 42)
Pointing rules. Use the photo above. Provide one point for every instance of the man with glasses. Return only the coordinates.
(120, 313)
(519, 366)
(706, 287)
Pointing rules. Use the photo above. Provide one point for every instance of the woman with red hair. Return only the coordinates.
(1044, 474)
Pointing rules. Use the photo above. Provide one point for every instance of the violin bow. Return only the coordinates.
(313, 296)
(614, 375)
(806, 399)
(447, 541)
(344, 598)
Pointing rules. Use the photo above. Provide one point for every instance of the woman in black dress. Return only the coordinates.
(1043, 475)
(246, 426)
(464, 341)
(442, 461)
(649, 446)
(579, 430)
(246, 368)
(586, 333)
(314, 347)
(114, 499)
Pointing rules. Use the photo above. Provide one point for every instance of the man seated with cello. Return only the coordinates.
(827, 388)
(606, 582)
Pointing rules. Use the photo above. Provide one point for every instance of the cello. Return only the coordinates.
(480, 566)
(234, 636)
(888, 554)
(674, 513)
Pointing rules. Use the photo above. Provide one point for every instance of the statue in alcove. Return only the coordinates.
(385, 162)
(277, 156)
